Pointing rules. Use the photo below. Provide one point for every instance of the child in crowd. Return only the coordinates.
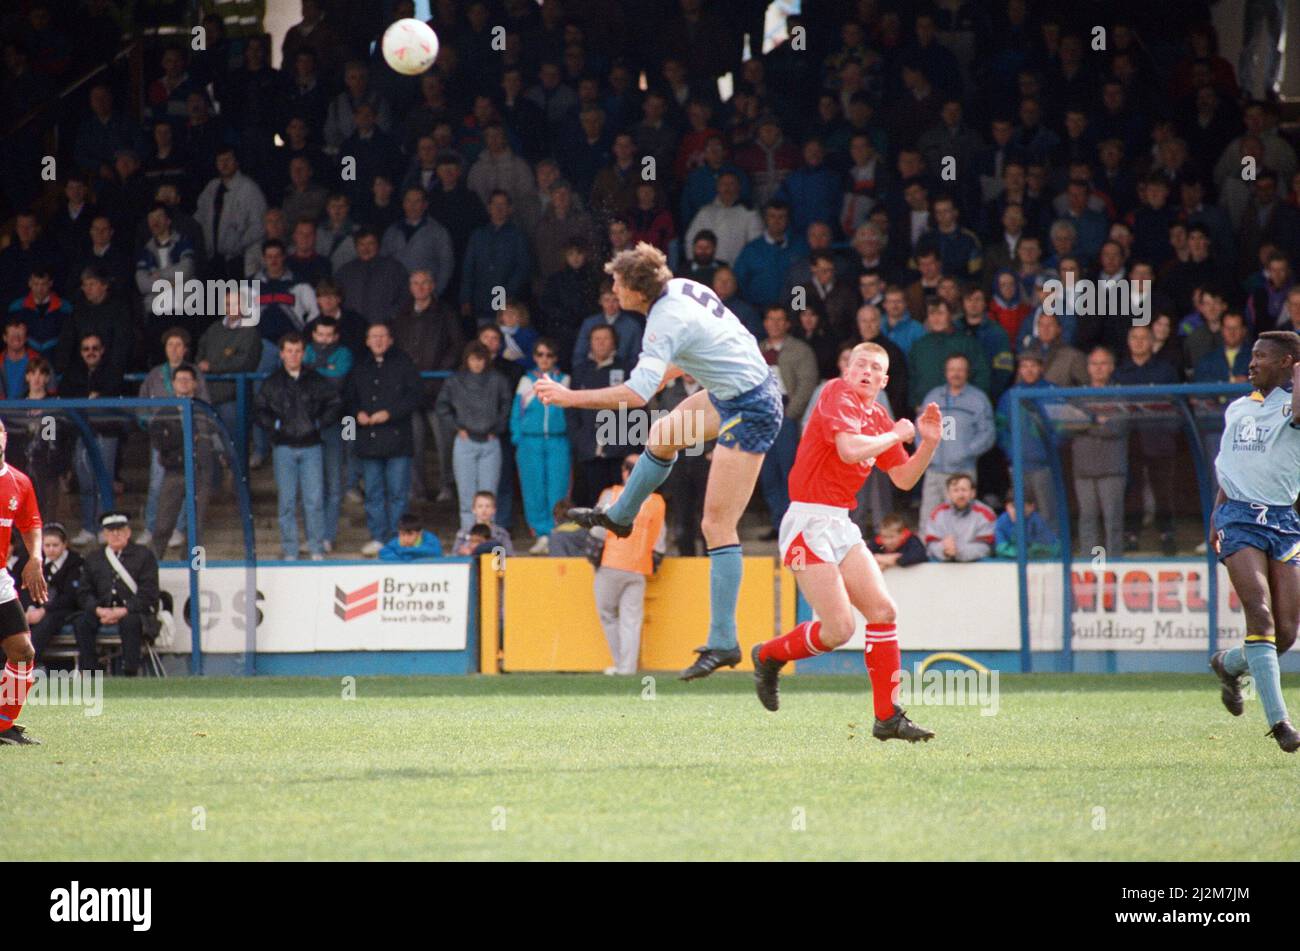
(1039, 535)
(412, 542)
(896, 546)
(485, 511)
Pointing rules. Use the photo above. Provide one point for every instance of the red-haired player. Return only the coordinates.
(848, 434)
(17, 510)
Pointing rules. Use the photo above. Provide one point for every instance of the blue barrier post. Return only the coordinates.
(1205, 485)
(1067, 547)
(191, 539)
(1022, 554)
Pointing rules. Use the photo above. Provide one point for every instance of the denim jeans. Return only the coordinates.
(774, 475)
(156, 473)
(298, 470)
(388, 487)
(87, 482)
(332, 461)
(478, 467)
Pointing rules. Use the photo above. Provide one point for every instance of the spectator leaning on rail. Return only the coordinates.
(328, 357)
(119, 587)
(383, 390)
(960, 529)
(62, 570)
(91, 377)
(970, 430)
(1040, 538)
(295, 405)
(167, 440)
(412, 543)
(896, 545)
(541, 446)
(620, 580)
(1100, 455)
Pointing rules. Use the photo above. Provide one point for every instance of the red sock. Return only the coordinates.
(13, 692)
(803, 642)
(883, 665)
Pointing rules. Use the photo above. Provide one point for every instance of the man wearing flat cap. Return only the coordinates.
(119, 586)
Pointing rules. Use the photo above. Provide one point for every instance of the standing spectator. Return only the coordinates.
(373, 284)
(230, 211)
(814, 191)
(418, 242)
(101, 252)
(570, 294)
(498, 169)
(767, 160)
(45, 460)
(167, 442)
(762, 264)
(562, 227)
(306, 263)
(27, 252)
(100, 311)
(732, 224)
(797, 376)
(541, 446)
(232, 345)
(1037, 443)
(686, 484)
(1100, 455)
(352, 326)
(42, 312)
(929, 355)
(458, 209)
(1152, 451)
(327, 356)
(970, 430)
(650, 219)
(341, 120)
(430, 336)
(119, 588)
(960, 529)
(92, 377)
(334, 236)
(627, 329)
(1063, 365)
(295, 405)
(598, 459)
(18, 356)
(1230, 362)
(62, 569)
(475, 403)
(496, 262)
(384, 390)
(158, 384)
(620, 580)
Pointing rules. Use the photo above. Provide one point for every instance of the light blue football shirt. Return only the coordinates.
(1259, 455)
(690, 326)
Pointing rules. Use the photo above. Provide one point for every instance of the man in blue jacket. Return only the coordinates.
(497, 256)
(1036, 442)
(412, 543)
(761, 265)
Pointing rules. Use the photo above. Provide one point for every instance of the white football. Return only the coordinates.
(410, 46)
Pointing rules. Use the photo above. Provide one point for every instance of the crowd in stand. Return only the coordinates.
(911, 174)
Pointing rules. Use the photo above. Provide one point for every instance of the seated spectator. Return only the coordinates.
(763, 262)
(352, 326)
(413, 542)
(1100, 456)
(119, 589)
(62, 569)
(1039, 537)
(728, 291)
(104, 254)
(960, 529)
(304, 200)
(303, 260)
(930, 353)
(42, 311)
(334, 235)
(418, 242)
(1229, 362)
(651, 221)
(475, 403)
(167, 440)
(620, 580)
(483, 529)
(701, 261)
(18, 356)
(732, 224)
(295, 405)
(373, 284)
(569, 539)
(497, 257)
(896, 546)
(239, 225)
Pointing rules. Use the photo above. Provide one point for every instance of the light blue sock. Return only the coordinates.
(1264, 670)
(647, 475)
(1234, 661)
(726, 565)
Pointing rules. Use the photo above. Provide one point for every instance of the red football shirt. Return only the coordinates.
(17, 507)
(819, 475)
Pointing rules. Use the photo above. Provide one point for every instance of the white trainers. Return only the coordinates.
(144, 538)
(542, 546)
(177, 539)
(318, 557)
(371, 548)
(611, 671)
(1202, 548)
(82, 537)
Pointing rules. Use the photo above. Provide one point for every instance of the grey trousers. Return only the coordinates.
(422, 423)
(620, 600)
(1038, 489)
(933, 492)
(171, 498)
(1101, 503)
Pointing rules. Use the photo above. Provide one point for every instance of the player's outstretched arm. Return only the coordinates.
(930, 427)
(858, 447)
(553, 393)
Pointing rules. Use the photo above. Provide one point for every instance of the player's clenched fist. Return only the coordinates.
(552, 392)
(930, 423)
(905, 431)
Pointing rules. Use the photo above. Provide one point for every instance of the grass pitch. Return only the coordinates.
(583, 767)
